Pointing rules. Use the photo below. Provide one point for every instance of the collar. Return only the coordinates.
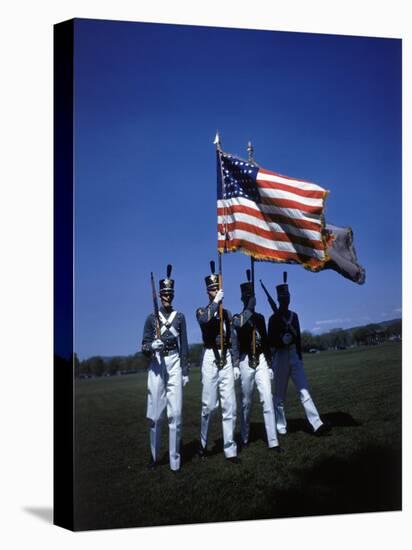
(166, 311)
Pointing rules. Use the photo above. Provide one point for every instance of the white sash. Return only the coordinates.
(167, 323)
(288, 323)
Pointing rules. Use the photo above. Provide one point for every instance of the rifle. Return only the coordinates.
(221, 361)
(253, 360)
(155, 307)
(269, 297)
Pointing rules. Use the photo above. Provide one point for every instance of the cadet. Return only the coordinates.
(165, 342)
(219, 371)
(284, 339)
(254, 366)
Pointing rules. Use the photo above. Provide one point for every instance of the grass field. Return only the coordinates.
(357, 468)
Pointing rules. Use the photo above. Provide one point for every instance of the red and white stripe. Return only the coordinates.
(285, 224)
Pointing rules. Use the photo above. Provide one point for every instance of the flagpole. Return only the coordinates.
(219, 255)
(252, 263)
(252, 268)
(222, 359)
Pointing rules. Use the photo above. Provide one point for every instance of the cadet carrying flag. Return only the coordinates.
(269, 216)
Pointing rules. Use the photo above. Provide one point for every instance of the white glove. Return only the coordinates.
(271, 375)
(236, 373)
(185, 380)
(157, 345)
(219, 296)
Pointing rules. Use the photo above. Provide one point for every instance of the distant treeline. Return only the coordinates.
(339, 338)
(336, 338)
(119, 365)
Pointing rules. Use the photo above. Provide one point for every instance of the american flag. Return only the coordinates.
(269, 216)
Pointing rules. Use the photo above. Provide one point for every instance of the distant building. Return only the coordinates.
(375, 337)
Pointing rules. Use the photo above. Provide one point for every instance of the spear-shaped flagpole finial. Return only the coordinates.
(250, 151)
(217, 140)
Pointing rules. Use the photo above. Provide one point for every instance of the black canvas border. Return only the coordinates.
(63, 381)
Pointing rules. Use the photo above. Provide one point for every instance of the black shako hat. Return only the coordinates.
(167, 286)
(246, 289)
(283, 290)
(212, 280)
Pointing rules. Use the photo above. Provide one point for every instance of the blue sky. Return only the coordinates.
(148, 101)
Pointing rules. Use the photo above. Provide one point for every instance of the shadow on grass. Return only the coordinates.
(332, 419)
(371, 481)
(189, 450)
(258, 433)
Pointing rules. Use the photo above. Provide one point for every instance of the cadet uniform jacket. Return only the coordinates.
(209, 321)
(279, 324)
(244, 323)
(173, 335)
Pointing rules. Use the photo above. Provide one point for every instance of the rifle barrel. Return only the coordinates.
(269, 297)
(155, 306)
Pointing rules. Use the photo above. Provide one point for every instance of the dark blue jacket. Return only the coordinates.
(244, 323)
(278, 326)
(209, 321)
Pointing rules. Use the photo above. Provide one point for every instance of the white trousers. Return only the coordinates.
(248, 378)
(164, 386)
(222, 381)
(286, 364)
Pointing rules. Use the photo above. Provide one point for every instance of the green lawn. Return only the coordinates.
(357, 468)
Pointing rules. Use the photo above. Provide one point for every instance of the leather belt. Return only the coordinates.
(214, 346)
(259, 350)
(167, 352)
(218, 358)
(289, 347)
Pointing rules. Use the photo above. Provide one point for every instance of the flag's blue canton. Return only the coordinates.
(239, 179)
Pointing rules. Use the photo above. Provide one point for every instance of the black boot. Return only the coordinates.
(234, 460)
(322, 431)
(152, 465)
(201, 452)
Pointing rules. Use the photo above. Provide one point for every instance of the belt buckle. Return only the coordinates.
(220, 360)
(253, 361)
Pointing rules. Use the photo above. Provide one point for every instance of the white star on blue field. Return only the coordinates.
(239, 179)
